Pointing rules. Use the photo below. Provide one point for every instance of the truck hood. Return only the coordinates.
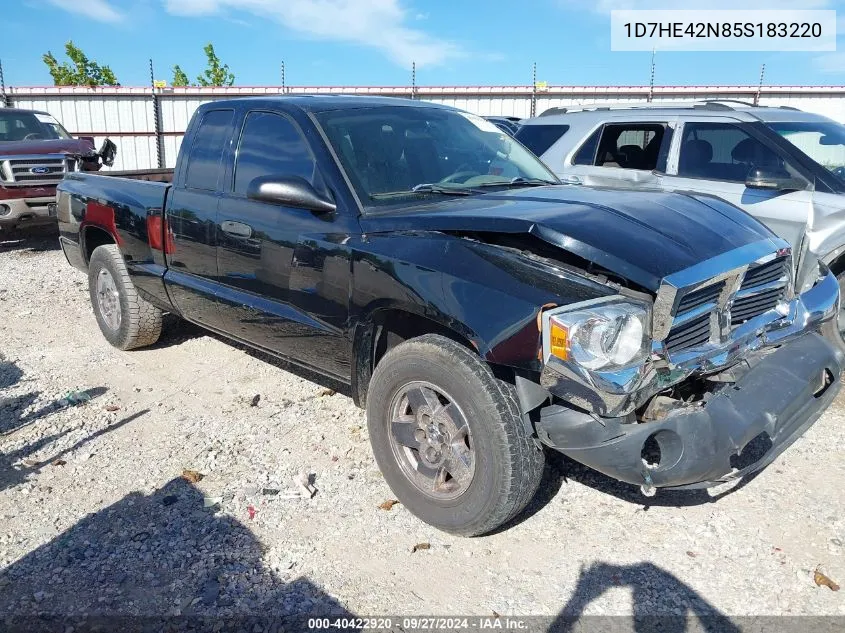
(642, 236)
(57, 146)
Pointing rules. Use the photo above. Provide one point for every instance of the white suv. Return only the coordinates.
(783, 166)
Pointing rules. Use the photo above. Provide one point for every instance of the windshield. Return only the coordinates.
(29, 126)
(823, 141)
(396, 154)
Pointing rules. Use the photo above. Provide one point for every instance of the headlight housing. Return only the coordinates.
(605, 334)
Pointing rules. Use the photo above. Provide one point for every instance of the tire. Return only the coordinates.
(506, 463)
(832, 329)
(138, 322)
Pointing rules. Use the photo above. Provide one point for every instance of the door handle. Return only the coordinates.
(236, 229)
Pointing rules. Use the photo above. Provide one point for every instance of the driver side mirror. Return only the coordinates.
(291, 191)
(773, 180)
(108, 150)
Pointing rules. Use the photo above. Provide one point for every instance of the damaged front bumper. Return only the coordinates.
(736, 430)
(617, 393)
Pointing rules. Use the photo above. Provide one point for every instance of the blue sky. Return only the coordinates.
(372, 42)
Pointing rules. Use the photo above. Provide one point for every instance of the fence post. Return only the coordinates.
(413, 80)
(651, 81)
(534, 91)
(156, 120)
(4, 99)
(760, 85)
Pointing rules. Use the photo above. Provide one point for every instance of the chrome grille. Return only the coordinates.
(765, 273)
(700, 297)
(711, 311)
(692, 333)
(30, 171)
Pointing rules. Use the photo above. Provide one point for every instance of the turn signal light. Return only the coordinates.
(559, 340)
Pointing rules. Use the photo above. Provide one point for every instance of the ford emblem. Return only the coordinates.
(40, 170)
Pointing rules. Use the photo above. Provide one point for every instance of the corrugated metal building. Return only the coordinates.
(126, 114)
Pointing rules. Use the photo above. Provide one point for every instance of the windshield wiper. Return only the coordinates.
(424, 188)
(519, 181)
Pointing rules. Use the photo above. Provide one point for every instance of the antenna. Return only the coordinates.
(760, 85)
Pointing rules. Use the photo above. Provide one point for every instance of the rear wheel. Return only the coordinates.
(125, 318)
(448, 438)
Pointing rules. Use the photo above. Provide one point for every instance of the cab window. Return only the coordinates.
(204, 158)
(271, 145)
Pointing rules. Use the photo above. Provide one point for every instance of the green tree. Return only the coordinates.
(80, 72)
(216, 74)
(180, 79)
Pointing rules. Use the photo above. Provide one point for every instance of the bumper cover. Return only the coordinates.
(773, 403)
(26, 210)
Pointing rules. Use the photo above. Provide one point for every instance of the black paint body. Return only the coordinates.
(313, 287)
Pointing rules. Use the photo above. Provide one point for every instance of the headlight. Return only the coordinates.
(609, 334)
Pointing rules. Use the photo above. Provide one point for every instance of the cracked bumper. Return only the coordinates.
(735, 432)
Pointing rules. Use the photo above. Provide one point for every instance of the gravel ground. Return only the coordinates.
(97, 518)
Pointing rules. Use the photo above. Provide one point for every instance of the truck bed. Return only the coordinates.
(137, 192)
(151, 175)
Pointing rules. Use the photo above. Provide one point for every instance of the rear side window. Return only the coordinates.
(539, 138)
(586, 154)
(630, 146)
(723, 151)
(271, 145)
(204, 159)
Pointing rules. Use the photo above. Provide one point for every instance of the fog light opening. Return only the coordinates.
(826, 381)
(662, 450)
(651, 453)
(5, 209)
(752, 452)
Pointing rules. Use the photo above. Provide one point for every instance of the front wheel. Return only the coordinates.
(448, 437)
(834, 329)
(125, 318)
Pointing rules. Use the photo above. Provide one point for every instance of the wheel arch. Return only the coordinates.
(93, 236)
(385, 327)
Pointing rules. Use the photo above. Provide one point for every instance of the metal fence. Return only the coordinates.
(148, 124)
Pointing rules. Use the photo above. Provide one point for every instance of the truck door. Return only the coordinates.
(192, 219)
(284, 271)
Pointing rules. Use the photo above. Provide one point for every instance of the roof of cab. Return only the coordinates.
(321, 103)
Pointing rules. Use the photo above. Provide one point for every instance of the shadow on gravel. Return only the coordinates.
(570, 469)
(10, 374)
(660, 602)
(560, 468)
(296, 370)
(36, 239)
(159, 556)
(11, 476)
(175, 330)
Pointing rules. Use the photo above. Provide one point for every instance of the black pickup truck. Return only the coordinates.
(477, 308)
